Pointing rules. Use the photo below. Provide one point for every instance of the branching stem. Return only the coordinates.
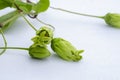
(45, 23)
(5, 42)
(29, 22)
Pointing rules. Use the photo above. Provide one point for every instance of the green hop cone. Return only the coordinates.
(66, 50)
(112, 19)
(38, 52)
(43, 36)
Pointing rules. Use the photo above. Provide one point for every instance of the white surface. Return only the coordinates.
(100, 42)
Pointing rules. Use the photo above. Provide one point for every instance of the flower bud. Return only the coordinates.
(112, 19)
(65, 50)
(43, 36)
(38, 52)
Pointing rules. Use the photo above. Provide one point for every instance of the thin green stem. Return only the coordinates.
(45, 23)
(29, 22)
(20, 48)
(5, 42)
(60, 9)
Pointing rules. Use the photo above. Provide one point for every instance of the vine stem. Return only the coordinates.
(45, 23)
(60, 9)
(28, 22)
(20, 48)
(5, 42)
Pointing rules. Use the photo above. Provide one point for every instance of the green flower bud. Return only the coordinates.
(66, 50)
(38, 52)
(112, 19)
(43, 36)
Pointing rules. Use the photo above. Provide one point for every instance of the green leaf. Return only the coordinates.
(41, 6)
(25, 7)
(8, 19)
(5, 3)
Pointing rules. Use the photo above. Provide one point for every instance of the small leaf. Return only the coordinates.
(25, 7)
(5, 3)
(7, 19)
(41, 6)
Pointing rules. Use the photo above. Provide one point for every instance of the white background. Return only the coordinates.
(101, 59)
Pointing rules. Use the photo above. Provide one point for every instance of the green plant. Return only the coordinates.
(44, 36)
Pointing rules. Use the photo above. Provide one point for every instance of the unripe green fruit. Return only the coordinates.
(39, 52)
(112, 19)
(65, 50)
